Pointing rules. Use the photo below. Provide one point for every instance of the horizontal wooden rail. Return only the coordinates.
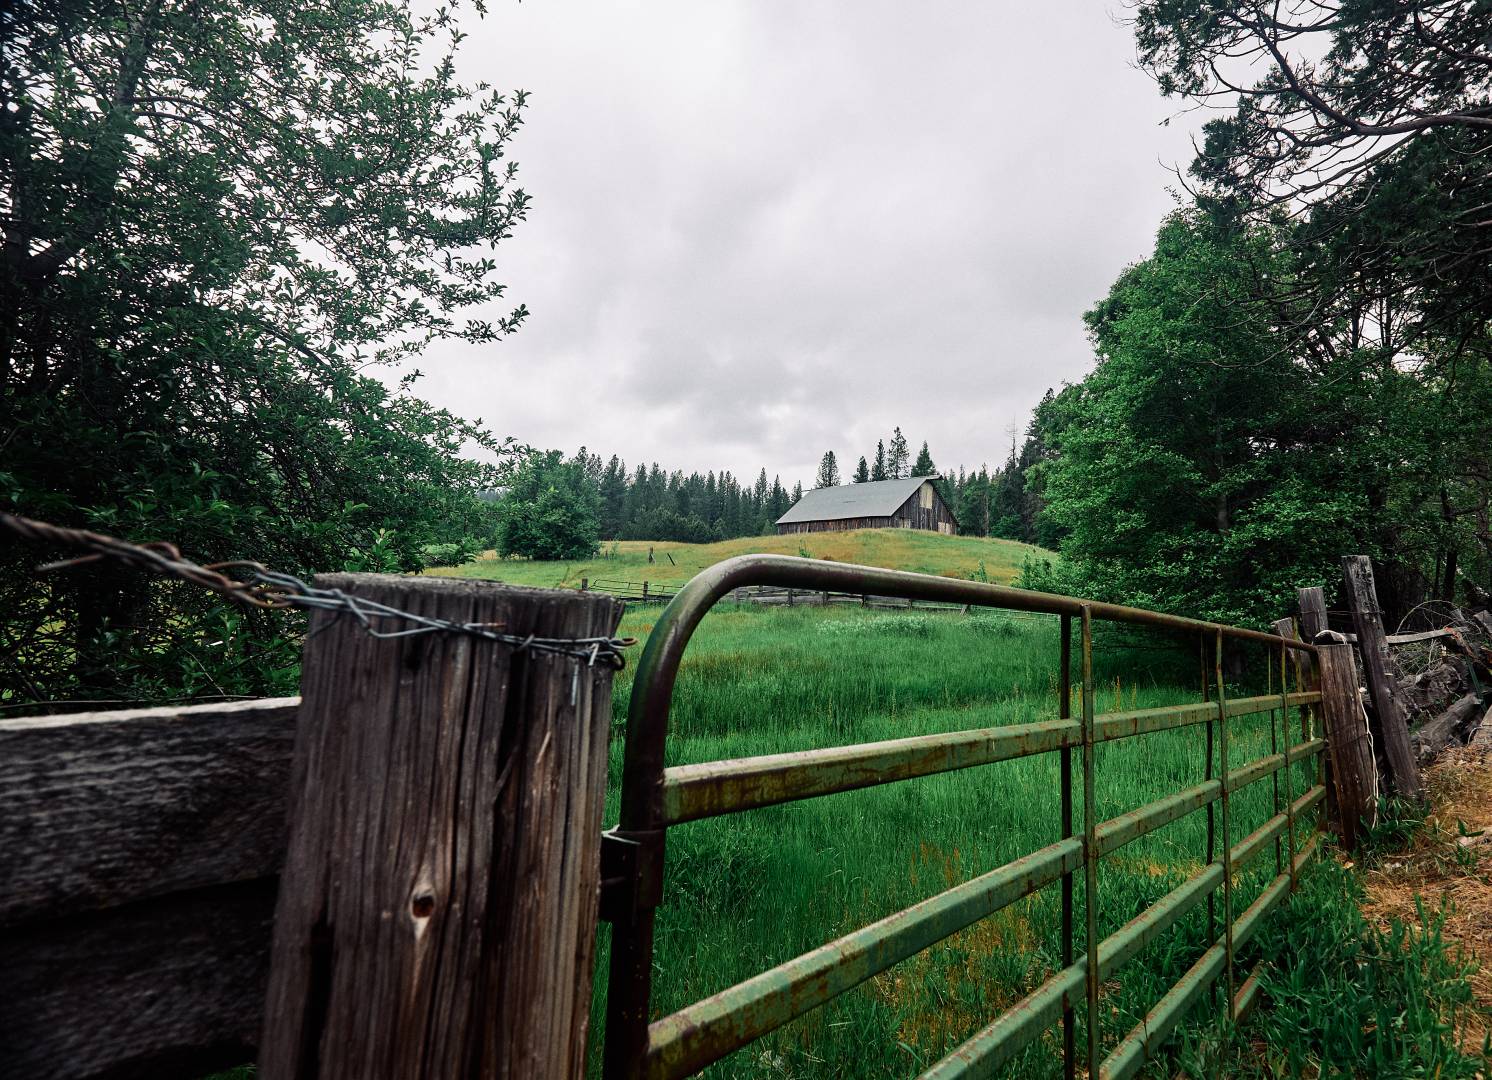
(1400, 639)
(137, 886)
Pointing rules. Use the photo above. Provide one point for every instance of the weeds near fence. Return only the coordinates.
(1348, 998)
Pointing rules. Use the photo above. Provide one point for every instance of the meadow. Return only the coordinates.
(751, 890)
(675, 563)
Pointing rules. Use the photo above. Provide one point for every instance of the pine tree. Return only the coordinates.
(778, 499)
(924, 465)
(897, 456)
(613, 489)
(974, 504)
(828, 471)
(878, 470)
(797, 493)
(862, 471)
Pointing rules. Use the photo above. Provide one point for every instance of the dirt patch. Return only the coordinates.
(1451, 859)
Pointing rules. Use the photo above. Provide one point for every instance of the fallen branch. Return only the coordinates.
(1453, 725)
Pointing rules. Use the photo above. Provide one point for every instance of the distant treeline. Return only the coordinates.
(647, 502)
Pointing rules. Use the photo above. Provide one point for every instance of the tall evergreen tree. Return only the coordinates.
(897, 456)
(974, 505)
(862, 471)
(828, 475)
(924, 465)
(878, 470)
(778, 499)
(613, 491)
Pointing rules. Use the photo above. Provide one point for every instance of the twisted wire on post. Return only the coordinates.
(272, 590)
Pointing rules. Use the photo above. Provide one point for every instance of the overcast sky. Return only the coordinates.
(761, 231)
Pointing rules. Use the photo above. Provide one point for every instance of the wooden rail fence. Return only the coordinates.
(644, 592)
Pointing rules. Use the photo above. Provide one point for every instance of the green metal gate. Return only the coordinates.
(655, 797)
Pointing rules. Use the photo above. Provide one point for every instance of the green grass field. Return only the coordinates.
(754, 889)
(898, 549)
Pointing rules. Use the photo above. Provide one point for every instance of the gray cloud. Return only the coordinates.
(761, 231)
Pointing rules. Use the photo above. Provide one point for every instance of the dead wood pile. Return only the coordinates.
(1444, 683)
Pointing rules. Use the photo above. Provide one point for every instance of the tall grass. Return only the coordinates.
(751, 890)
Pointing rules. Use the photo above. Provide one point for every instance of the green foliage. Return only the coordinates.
(550, 510)
(1360, 252)
(1205, 468)
(971, 504)
(862, 471)
(221, 223)
(650, 504)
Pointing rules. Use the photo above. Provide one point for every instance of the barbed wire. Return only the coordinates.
(266, 589)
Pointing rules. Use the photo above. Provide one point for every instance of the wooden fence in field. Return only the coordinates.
(400, 873)
(644, 592)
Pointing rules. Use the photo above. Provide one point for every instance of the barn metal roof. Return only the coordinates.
(878, 498)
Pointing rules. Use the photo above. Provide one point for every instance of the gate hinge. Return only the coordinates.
(631, 873)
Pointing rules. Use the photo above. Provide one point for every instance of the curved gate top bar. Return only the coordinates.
(637, 844)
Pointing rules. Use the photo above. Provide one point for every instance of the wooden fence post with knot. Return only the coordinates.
(438, 905)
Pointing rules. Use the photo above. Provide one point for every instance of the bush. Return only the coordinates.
(551, 510)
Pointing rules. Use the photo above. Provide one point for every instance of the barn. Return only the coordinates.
(910, 503)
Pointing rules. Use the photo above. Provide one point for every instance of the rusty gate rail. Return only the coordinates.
(655, 797)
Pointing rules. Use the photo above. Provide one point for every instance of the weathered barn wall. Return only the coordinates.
(837, 525)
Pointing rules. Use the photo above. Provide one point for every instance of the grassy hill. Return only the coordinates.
(674, 564)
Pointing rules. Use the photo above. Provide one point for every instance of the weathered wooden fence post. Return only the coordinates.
(1391, 730)
(1351, 755)
(437, 909)
(1312, 619)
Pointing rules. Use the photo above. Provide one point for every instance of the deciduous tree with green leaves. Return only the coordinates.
(1357, 136)
(1164, 479)
(228, 230)
(550, 509)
